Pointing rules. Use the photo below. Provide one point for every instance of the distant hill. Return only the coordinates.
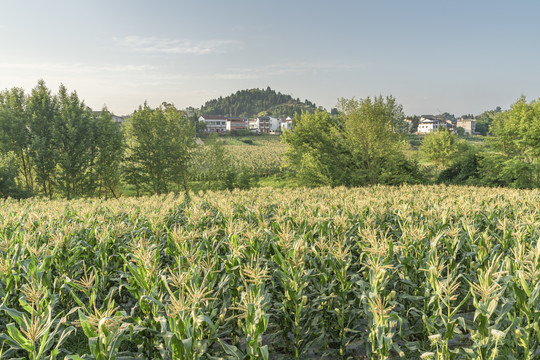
(252, 102)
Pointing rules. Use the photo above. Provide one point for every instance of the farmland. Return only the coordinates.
(430, 272)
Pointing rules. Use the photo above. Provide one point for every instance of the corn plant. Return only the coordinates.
(188, 329)
(35, 330)
(382, 320)
(441, 319)
(491, 312)
(298, 318)
(252, 313)
(106, 330)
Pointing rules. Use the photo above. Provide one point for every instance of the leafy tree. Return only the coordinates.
(484, 120)
(74, 143)
(440, 147)
(8, 174)
(517, 139)
(42, 110)
(14, 130)
(160, 142)
(217, 164)
(465, 170)
(316, 151)
(373, 130)
(109, 144)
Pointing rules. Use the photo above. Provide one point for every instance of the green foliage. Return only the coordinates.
(463, 171)
(315, 150)
(361, 147)
(159, 144)
(517, 139)
(109, 142)
(373, 129)
(484, 121)
(60, 145)
(15, 132)
(255, 101)
(442, 147)
(74, 144)
(8, 173)
(42, 110)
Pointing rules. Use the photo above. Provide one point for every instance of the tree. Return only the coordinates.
(15, 131)
(109, 144)
(517, 139)
(42, 109)
(484, 120)
(159, 143)
(74, 144)
(373, 129)
(215, 164)
(8, 173)
(439, 147)
(316, 151)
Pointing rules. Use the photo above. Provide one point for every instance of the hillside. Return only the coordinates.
(254, 101)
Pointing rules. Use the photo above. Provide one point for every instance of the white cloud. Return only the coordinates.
(282, 69)
(176, 46)
(76, 68)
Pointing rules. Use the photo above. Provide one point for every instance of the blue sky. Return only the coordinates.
(433, 56)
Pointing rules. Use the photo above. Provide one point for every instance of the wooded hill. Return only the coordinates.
(252, 102)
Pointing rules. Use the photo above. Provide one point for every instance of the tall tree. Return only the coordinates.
(517, 138)
(316, 151)
(15, 131)
(440, 147)
(74, 143)
(159, 147)
(109, 142)
(42, 110)
(373, 129)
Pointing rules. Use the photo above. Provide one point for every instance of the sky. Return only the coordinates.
(433, 56)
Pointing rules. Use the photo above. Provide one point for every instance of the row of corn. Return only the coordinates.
(429, 272)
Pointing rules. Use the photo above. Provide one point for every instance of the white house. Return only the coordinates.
(214, 123)
(264, 124)
(286, 124)
(428, 124)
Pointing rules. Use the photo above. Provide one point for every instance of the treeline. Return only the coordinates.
(56, 144)
(248, 103)
(365, 144)
(53, 144)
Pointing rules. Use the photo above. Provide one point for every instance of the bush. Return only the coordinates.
(8, 173)
(463, 171)
(247, 141)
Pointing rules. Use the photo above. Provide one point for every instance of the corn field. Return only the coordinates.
(428, 272)
(260, 160)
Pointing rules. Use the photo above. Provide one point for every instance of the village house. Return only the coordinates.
(220, 123)
(469, 125)
(214, 123)
(264, 124)
(429, 124)
(286, 124)
(236, 123)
